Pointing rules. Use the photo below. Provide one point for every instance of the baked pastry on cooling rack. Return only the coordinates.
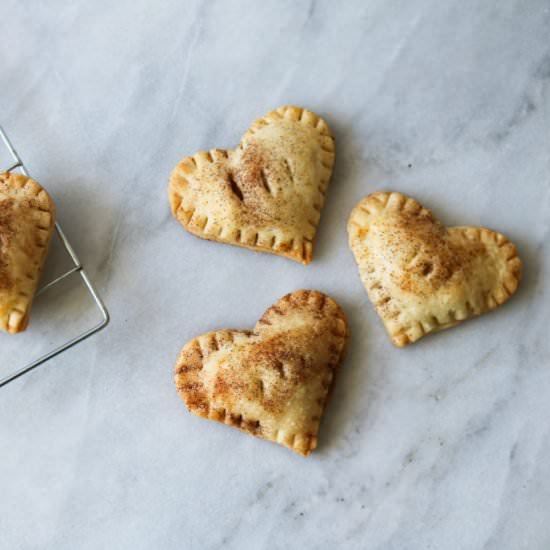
(27, 218)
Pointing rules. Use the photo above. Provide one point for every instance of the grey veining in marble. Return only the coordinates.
(443, 445)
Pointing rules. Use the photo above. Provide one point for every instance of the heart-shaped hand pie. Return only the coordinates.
(274, 381)
(422, 276)
(26, 224)
(266, 194)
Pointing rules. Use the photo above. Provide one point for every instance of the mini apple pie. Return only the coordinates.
(266, 194)
(422, 276)
(272, 382)
(26, 224)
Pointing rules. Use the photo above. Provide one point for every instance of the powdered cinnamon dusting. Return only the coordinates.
(428, 259)
(6, 236)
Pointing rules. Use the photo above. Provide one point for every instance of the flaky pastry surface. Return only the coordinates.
(27, 217)
(422, 276)
(274, 381)
(266, 194)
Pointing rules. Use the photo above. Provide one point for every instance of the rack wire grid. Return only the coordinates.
(75, 269)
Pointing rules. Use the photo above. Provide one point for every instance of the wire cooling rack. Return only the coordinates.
(75, 269)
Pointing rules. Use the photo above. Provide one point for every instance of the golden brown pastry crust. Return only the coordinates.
(266, 194)
(27, 218)
(274, 381)
(422, 276)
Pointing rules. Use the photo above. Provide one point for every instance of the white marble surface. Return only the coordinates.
(444, 445)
